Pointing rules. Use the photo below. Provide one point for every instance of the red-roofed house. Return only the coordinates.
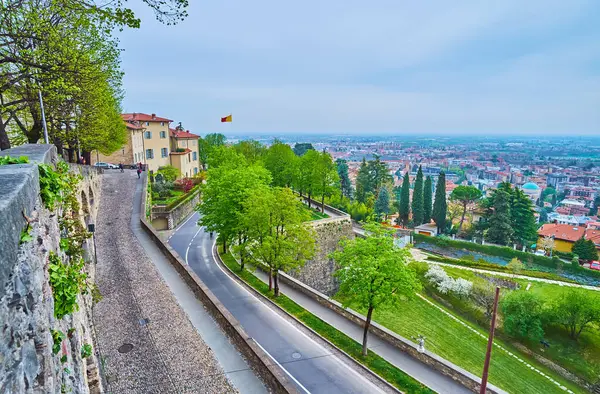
(132, 151)
(156, 138)
(565, 235)
(184, 151)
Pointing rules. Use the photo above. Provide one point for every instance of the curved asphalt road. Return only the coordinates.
(313, 368)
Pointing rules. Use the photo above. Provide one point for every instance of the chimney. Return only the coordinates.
(153, 116)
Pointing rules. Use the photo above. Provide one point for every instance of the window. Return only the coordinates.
(149, 154)
(195, 156)
(147, 123)
(195, 170)
(162, 123)
(148, 135)
(163, 152)
(163, 134)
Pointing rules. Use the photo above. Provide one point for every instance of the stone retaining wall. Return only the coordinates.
(272, 375)
(168, 220)
(27, 363)
(455, 372)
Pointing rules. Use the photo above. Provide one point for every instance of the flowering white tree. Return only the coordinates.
(445, 284)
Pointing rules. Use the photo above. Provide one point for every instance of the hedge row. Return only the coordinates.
(497, 268)
(184, 198)
(506, 252)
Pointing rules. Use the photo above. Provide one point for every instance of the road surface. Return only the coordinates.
(313, 367)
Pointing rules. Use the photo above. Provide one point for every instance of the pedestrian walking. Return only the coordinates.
(121, 167)
(139, 172)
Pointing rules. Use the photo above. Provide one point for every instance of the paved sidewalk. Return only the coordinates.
(422, 372)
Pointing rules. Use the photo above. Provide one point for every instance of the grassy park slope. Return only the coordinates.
(458, 344)
(377, 364)
(580, 357)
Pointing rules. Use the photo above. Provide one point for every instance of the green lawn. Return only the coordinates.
(452, 341)
(316, 214)
(581, 357)
(174, 195)
(377, 364)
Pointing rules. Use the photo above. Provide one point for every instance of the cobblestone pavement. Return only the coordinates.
(168, 354)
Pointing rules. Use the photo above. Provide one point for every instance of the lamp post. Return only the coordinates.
(92, 229)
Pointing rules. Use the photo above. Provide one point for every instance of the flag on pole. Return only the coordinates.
(226, 119)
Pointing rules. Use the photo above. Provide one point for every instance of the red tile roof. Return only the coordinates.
(182, 134)
(144, 117)
(566, 232)
(134, 125)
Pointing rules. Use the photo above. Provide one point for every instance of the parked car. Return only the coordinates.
(595, 265)
(104, 165)
(540, 252)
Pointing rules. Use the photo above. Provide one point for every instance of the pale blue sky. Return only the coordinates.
(371, 67)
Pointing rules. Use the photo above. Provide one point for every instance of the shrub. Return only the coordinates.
(184, 184)
(169, 173)
(522, 313)
(162, 189)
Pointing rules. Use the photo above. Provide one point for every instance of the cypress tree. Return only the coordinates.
(382, 205)
(440, 206)
(404, 206)
(345, 184)
(417, 200)
(363, 182)
(427, 197)
(523, 219)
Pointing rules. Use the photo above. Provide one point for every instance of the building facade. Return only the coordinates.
(184, 152)
(132, 151)
(155, 138)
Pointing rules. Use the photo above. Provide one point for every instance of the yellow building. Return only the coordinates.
(130, 153)
(564, 235)
(184, 152)
(155, 138)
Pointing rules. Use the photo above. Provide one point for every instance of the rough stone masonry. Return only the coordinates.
(27, 363)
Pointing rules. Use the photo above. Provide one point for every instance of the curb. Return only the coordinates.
(272, 303)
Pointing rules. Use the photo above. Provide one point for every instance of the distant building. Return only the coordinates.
(532, 191)
(565, 235)
(556, 180)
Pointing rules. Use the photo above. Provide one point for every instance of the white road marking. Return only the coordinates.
(183, 224)
(281, 366)
(291, 325)
(190, 244)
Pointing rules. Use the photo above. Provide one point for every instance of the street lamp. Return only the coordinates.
(92, 229)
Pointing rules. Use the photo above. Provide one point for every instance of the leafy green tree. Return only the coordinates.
(207, 144)
(306, 179)
(585, 249)
(382, 205)
(523, 314)
(427, 199)
(363, 182)
(281, 161)
(576, 310)
(379, 175)
(553, 200)
(326, 177)
(252, 150)
(225, 156)
(465, 195)
(515, 266)
(169, 173)
(223, 195)
(404, 208)
(440, 205)
(374, 272)
(523, 219)
(549, 190)
(345, 184)
(285, 242)
(418, 210)
(500, 227)
(301, 148)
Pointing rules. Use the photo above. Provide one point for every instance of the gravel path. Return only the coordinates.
(137, 308)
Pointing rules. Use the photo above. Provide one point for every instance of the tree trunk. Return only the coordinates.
(270, 279)
(276, 283)
(309, 200)
(4, 141)
(323, 204)
(224, 245)
(366, 333)
(462, 219)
